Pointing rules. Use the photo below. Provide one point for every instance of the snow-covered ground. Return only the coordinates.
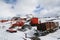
(4, 35)
(21, 35)
(52, 36)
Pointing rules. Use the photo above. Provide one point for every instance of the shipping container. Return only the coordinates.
(34, 21)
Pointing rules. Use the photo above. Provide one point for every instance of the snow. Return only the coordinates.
(52, 36)
(20, 35)
(12, 36)
(57, 21)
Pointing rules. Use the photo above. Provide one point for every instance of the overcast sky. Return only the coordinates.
(39, 8)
